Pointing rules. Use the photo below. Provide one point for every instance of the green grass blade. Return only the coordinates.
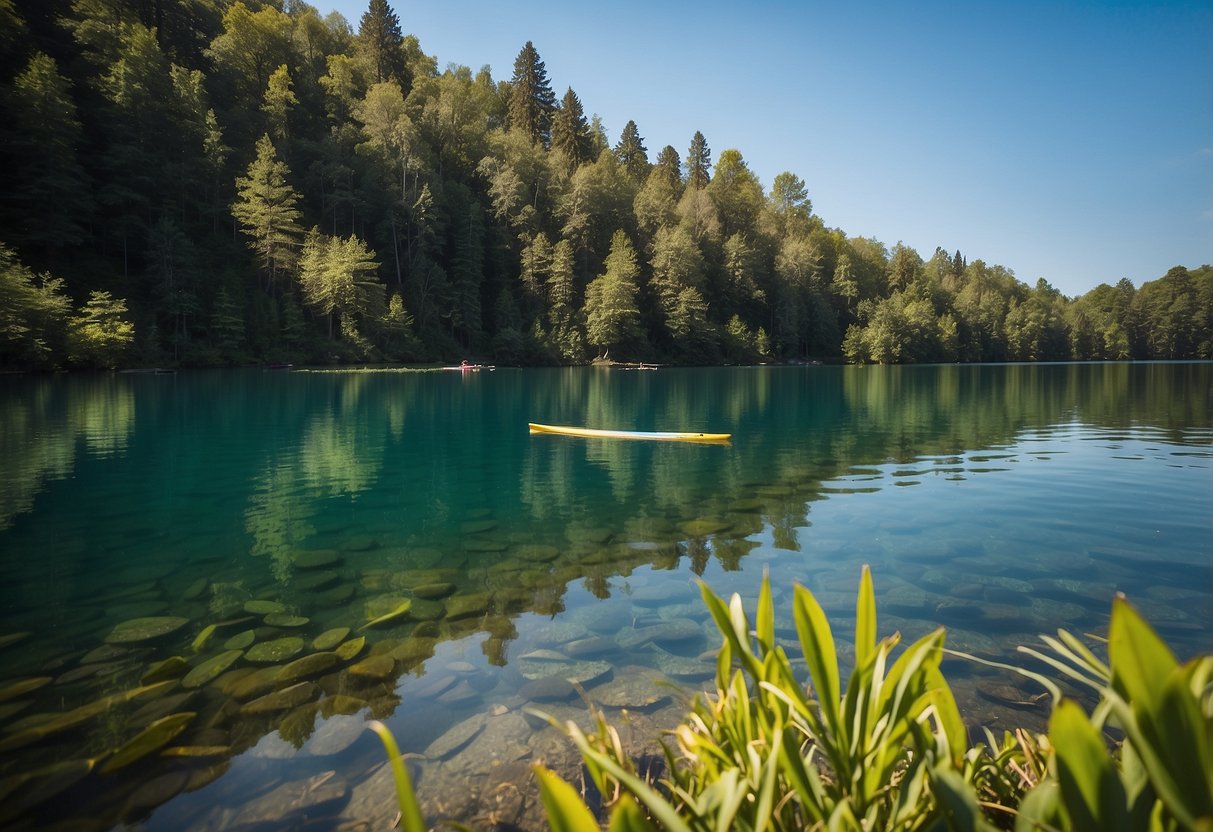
(627, 817)
(1091, 791)
(565, 810)
(820, 653)
(1141, 662)
(865, 619)
(764, 622)
(411, 819)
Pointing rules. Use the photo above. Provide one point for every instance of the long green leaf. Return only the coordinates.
(660, 809)
(565, 810)
(1091, 791)
(410, 812)
(627, 817)
(764, 621)
(1141, 662)
(865, 619)
(817, 642)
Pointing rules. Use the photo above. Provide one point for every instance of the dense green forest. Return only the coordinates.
(202, 182)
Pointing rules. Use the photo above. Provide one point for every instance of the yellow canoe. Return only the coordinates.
(593, 433)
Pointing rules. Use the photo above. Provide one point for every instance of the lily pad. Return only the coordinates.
(195, 589)
(149, 740)
(210, 669)
(330, 638)
(278, 650)
(145, 629)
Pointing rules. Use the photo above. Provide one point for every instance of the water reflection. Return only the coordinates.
(289, 511)
(42, 424)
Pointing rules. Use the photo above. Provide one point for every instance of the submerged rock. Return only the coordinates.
(151, 628)
(263, 607)
(330, 638)
(316, 559)
(278, 650)
(307, 667)
(150, 739)
(456, 738)
(282, 700)
(210, 669)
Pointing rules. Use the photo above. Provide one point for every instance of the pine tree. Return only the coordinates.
(380, 46)
(278, 102)
(612, 314)
(531, 102)
(670, 166)
(266, 208)
(632, 153)
(227, 324)
(100, 335)
(699, 163)
(571, 131)
(47, 198)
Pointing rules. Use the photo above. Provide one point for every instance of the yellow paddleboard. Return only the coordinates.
(666, 436)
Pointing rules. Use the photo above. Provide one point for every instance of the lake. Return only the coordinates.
(188, 562)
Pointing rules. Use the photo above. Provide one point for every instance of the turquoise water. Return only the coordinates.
(1001, 501)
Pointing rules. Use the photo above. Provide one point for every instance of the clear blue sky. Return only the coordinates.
(1066, 140)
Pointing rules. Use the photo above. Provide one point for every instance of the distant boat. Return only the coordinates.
(470, 368)
(661, 436)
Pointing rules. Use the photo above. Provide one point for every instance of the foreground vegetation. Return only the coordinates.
(204, 182)
(890, 750)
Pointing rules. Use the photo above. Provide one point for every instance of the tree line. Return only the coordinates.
(204, 182)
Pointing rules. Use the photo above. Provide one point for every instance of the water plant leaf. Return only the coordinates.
(865, 619)
(411, 819)
(817, 642)
(1141, 662)
(627, 817)
(565, 811)
(1091, 791)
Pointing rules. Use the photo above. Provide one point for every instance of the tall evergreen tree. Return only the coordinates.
(611, 311)
(531, 101)
(632, 153)
(571, 131)
(46, 201)
(669, 165)
(266, 208)
(699, 163)
(380, 46)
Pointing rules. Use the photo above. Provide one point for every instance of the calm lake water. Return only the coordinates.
(136, 511)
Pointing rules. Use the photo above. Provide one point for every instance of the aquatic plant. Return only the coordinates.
(765, 752)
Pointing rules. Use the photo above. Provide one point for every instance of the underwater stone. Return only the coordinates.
(316, 559)
(330, 638)
(285, 620)
(278, 650)
(433, 591)
(150, 739)
(350, 649)
(548, 689)
(282, 700)
(467, 606)
(174, 667)
(456, 738)
(210, 669)
(145, 629)
(241, 640)
(374, 667)
(263, 607)
(307, 666)
(312, 581)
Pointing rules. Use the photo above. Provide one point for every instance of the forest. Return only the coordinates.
(208, 183)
